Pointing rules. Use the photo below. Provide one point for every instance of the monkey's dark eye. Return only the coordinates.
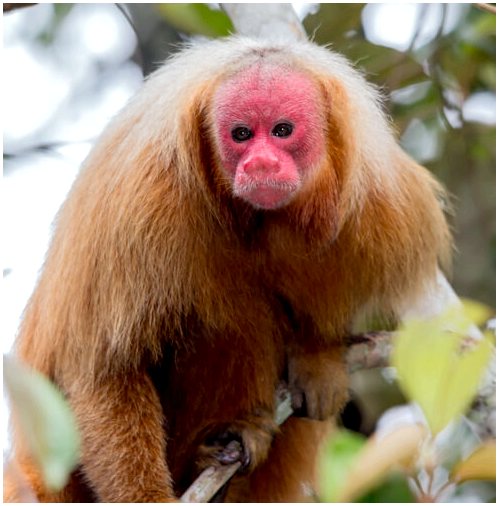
(282, 130)
(241, 134)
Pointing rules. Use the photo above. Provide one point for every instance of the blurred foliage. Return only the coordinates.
(435, 80)
(438, 368)
(197, 19)
(433, 368)
(353, 468)
(480, 465)
(45, 422)
(337, 459)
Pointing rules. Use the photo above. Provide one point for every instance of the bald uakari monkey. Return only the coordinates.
(231, 225)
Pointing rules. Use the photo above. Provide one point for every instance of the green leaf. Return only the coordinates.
(197, 18)
(379, 457)
(336, 460)
(352, 466)
(45, 421)
(395, 489)
(433, 368)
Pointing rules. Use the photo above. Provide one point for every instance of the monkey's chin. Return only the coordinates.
(268, 196)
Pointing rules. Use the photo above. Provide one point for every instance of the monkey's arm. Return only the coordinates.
(318, 380)
(123, 440)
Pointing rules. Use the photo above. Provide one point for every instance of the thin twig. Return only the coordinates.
(372, 351)
(212, 479)
(13, 7)
(209, 482)
(486, 7)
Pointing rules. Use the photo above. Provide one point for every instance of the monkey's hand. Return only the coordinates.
(246, 441)
(318, 382)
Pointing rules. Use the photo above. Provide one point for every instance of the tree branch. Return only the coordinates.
(13, 7)
(372, 352)
(486, 7)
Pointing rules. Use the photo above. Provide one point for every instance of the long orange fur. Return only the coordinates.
(166, 307)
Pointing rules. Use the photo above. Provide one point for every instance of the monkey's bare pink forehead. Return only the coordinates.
(265, 88)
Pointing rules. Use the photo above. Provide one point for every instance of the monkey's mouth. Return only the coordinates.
(268, 194)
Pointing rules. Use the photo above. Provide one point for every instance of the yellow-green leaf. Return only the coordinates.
(45, 421)
(480, 465)
(435, 371)
(476, 312)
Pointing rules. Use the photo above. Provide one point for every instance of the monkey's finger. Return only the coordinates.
(231, 453)
(313, 403)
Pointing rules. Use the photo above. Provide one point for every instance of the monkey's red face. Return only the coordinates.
(270, 133)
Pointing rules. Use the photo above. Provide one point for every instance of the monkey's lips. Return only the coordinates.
(268, 194)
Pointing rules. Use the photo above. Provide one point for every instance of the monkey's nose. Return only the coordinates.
(261, 165)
